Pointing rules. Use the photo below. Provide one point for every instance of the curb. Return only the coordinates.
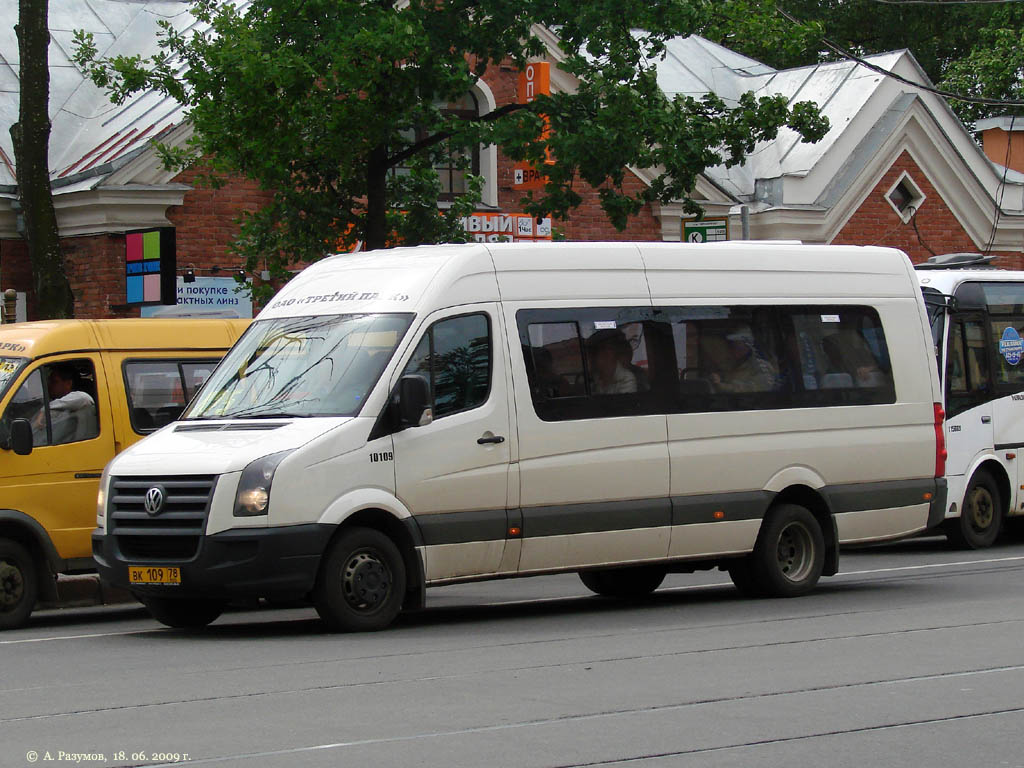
(86, 590)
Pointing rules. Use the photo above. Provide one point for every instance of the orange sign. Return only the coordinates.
(533, 81)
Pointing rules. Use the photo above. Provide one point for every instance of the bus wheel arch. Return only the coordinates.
(13, 528)
(983, 509)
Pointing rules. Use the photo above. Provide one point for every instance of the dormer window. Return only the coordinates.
(905, 197)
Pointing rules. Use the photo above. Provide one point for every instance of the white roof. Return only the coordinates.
(90, 135)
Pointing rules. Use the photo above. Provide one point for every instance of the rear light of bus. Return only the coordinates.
(940, 442)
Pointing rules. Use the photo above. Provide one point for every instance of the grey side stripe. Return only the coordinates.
(569, 519)
(592, 518)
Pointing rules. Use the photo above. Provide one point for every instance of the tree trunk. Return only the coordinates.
(376, 228)
(31, 135)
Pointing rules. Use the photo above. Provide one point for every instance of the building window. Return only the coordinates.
(905, 197)
(454, 163)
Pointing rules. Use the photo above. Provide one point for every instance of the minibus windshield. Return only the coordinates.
(300, 367)
(9, 367)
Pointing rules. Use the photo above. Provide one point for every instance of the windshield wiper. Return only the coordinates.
(266, 415)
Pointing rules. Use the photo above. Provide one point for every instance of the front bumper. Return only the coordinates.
(279, 563)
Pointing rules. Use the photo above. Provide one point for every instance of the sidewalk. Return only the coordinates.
(86, 590)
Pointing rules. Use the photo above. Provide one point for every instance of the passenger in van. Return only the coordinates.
(606, 350)
(848, 353)
(743, 368)
(72, 410)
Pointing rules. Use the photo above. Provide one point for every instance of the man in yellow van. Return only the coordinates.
(72, 410)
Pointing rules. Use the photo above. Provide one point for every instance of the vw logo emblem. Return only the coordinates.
(154, 501)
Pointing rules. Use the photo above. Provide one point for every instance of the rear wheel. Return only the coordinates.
(361, 584)
(788, 557)
(623, 582)
(183, 613)
(19, 584)
(981, 518)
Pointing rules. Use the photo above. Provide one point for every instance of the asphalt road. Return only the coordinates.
(912, 656)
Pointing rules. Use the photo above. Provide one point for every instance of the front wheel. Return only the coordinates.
(361, 584)
(788, 557)
(981, 518)
(19, 585)
(632, 582)
(183, 613)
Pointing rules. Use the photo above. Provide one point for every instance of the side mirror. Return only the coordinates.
(21, 437)
(414, 402)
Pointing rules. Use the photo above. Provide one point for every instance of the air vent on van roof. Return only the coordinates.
(262, 426)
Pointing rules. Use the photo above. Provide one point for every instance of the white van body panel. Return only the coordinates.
(220, 446)
(587, 492)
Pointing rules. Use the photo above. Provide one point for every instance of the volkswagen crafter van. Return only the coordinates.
(73, 393)
(401, 419)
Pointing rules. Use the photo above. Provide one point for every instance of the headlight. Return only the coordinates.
(253, 496)
(101, 498)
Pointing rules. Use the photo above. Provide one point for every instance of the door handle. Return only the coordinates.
(491, 439)
(986, 419)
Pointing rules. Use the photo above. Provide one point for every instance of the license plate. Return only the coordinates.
(149, 575)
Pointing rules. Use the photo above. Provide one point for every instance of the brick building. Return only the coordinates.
(897, 168)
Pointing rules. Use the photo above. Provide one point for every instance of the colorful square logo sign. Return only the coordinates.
(149, 266)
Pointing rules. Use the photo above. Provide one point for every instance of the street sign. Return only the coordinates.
(705, 231)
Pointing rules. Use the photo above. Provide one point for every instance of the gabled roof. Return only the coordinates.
(90, 136)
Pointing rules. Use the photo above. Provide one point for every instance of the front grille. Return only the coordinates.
(174, 532)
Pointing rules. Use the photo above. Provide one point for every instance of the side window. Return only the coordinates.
(59, 400)
(728, 359)
(592, 362)
(967, 369)
(159, 389)
(454, 356)
(1009, 370)
(837, 356)
(194, 375)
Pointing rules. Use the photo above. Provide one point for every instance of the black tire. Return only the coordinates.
(637, 581)
(788, 557)
(19, 584)
(981, 516)
(183, 613)
(361, 584)
(743, 577)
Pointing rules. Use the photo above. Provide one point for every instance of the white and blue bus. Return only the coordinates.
(977, 318)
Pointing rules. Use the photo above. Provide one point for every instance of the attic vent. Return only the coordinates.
(905, 197)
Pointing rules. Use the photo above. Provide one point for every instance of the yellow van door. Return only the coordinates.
(66, 401)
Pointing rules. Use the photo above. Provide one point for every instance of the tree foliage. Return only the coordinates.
(972, 48)
(322, 101)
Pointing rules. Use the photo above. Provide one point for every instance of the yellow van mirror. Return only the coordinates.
(21, 437)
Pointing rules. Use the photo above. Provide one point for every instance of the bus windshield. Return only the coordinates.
(9, 367)
(935, 303)
(301, 366)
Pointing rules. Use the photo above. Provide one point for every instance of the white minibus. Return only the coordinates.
(414, 417)
(977, 318)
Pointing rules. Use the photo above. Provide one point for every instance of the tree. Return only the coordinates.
(31, 136)
(338, 107)
(973, 48)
